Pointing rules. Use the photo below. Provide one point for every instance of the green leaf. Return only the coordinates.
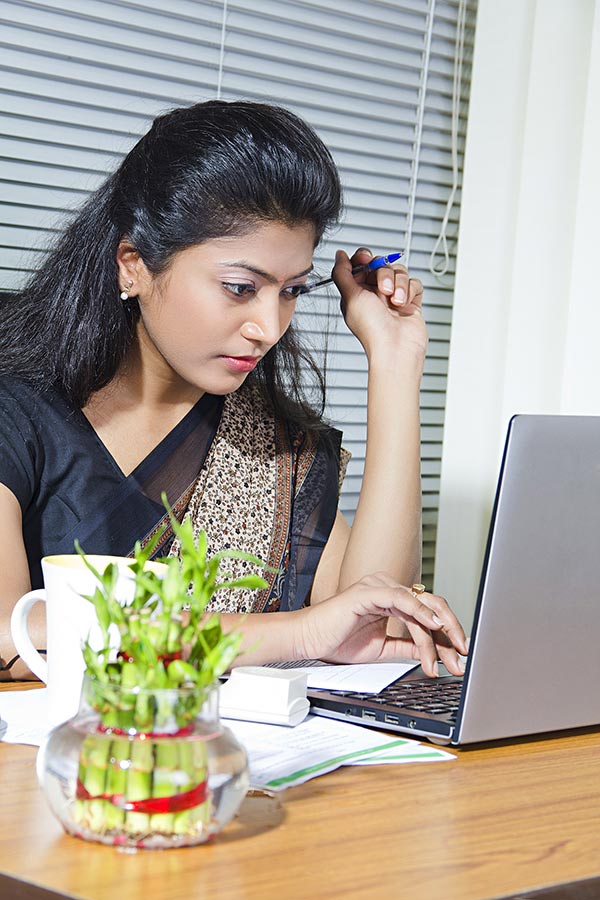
(152, 626)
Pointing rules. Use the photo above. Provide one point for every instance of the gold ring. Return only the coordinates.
(417, 590)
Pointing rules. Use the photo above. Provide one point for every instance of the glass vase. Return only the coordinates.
(143, 768)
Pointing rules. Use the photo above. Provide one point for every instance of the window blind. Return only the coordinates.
(81, 79)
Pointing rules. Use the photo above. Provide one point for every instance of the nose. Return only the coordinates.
(264, 325)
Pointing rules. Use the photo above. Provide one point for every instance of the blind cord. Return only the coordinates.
(412, 198)
(441, 245)
(222, 50)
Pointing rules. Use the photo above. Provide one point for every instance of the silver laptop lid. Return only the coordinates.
(534, 663)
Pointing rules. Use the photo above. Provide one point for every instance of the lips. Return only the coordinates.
(240, 363)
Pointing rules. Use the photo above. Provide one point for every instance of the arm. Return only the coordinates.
(386, 533)
(352, 628)
(14, 582)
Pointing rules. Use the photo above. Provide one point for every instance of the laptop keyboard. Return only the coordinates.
(427, 696)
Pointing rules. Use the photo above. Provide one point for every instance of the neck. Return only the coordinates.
(145, 388)
(146, 379)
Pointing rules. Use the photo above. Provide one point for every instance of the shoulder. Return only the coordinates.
(26, 406)
(18, 402)
(28, 419)
(24, 393)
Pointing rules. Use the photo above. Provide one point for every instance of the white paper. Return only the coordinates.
(367, 678)
(278, 757)
(282, 757)
(24, 716)
(411, 752)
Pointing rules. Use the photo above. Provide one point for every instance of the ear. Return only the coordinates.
(133, 275)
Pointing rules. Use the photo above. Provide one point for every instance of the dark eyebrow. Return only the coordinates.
(240, 264)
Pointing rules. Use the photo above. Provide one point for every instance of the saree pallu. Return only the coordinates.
(250, 481)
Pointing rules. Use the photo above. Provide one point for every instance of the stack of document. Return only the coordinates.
(282, 757)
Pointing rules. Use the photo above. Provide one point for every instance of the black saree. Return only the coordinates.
(134, 510)
(250, 481)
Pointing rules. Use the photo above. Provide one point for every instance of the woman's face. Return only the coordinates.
(221, 306)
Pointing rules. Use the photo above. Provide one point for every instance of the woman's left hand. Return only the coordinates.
(383, 307)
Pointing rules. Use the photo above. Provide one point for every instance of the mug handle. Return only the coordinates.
(20, 634)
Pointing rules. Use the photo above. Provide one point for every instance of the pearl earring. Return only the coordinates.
(124, 295)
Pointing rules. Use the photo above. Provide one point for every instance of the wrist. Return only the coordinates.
(407, 366)
(300, 634)
(308, 640)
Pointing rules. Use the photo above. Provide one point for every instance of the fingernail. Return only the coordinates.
(400, 295)
(437, 621)
(388, 284)
(436, 670)
(462, 665)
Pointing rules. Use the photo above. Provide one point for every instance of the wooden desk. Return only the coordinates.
(495, 821)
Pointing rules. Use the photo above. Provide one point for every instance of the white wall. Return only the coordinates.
(526, 313)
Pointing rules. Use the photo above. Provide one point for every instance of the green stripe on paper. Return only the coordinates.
(433, 753)
(356, 754)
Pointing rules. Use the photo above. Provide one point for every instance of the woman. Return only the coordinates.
(154, 351)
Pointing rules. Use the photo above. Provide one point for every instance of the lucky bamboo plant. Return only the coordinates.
(160, 658)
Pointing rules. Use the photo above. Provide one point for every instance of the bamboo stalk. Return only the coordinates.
(139, 784)
(165, 782)
(92, 775)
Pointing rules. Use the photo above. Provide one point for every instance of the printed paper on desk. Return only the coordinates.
(368, 678)
(283, 757)
(409, 751)
(24, 716)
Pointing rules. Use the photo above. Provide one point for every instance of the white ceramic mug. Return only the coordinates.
(70, 620)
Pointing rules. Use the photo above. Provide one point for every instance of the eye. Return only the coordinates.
(293, 291)
(239, 289)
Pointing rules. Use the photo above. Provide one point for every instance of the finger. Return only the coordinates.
(393, 283)
(414, 301)
(342, 275)
(447, 630)
(361, 257)
(433, 611)
(447, 621)
(415, 292)
(426, 650)
(449, 656)
(396, 648)
(376, 595)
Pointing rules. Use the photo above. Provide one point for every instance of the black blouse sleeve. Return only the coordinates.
(19, 445)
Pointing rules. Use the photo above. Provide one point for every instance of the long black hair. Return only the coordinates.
(201, 172)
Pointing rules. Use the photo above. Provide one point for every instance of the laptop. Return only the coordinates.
(534, 660)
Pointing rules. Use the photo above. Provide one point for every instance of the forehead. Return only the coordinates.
(266, 245)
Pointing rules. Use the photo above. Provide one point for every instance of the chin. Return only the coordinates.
(220, 387)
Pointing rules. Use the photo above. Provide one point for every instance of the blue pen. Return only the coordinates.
(377, 263)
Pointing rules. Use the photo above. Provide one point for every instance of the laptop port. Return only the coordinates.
(367, 714)
(391, 720)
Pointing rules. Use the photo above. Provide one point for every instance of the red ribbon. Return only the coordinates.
(147, 735)
(174, 804)
(165, 658)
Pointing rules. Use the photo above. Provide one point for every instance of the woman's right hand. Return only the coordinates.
(351, 627)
